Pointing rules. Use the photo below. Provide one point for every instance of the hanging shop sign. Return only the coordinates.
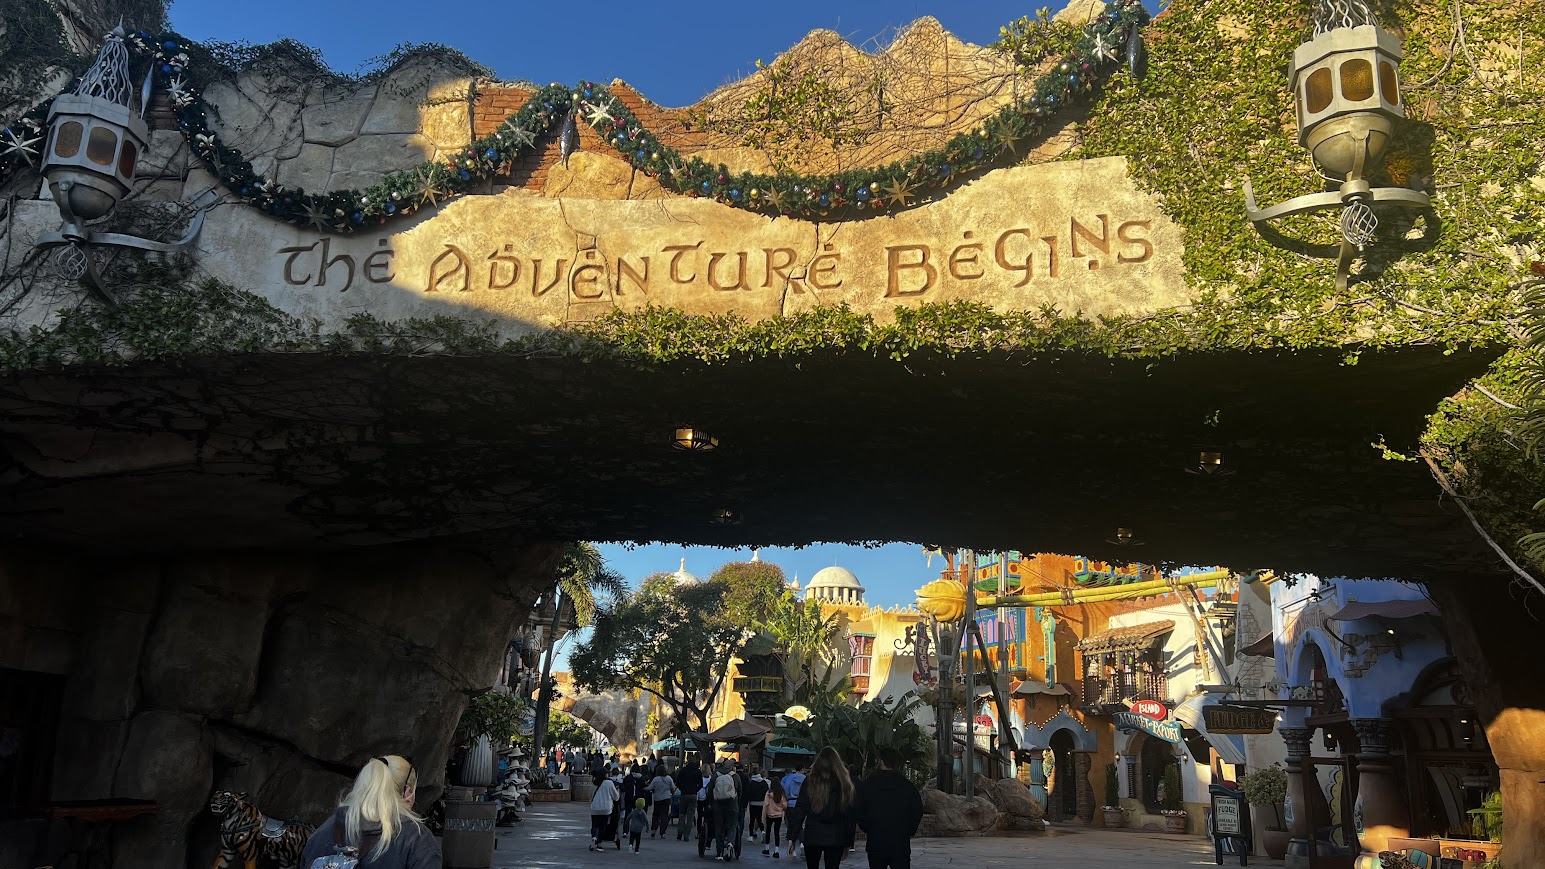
(1152, 709)
(1168, 730)
(1238, 719)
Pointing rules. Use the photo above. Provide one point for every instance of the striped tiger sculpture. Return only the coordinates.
(247, 834)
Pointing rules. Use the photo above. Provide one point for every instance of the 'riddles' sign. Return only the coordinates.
(1074, 236)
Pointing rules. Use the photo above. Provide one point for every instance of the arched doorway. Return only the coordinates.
(1153, 758)
(1449, 764)
(1062, 796)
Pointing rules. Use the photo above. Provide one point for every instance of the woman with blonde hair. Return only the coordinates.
(376, 820)
(827, 798)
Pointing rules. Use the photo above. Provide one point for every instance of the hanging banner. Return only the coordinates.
(1169, 731)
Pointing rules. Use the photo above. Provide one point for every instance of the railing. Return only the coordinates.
(758, 685)
(1115, 690)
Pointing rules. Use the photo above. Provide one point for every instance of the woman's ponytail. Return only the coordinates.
(377, 796)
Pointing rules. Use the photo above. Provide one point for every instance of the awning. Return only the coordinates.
(1031, 689)
(1127, 638)
(1389, 609)
(789, 749)
(1265, 647)
(740, 730)
(1230, 746)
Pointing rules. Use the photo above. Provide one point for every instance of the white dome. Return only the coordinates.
(682, 577)
(834, 577)
(835, 584)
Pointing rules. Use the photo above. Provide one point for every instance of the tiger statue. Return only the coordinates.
(247, 834)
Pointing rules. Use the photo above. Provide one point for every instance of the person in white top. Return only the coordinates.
(601, 806)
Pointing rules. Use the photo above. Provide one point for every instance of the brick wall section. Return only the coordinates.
(495, 102)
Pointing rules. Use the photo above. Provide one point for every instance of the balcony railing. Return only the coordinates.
(758, 685)
(1115, 690)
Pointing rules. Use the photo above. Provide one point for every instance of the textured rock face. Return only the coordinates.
(277, 674)
(950, 815)
(1020, 810)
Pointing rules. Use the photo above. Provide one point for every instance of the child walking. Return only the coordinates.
(774, 805)
(638, 822)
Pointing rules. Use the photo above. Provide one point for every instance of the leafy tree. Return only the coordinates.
(582, 573)
(674, 642)
(565, 729)
(753, 590)
(808, 643)
(875, 730)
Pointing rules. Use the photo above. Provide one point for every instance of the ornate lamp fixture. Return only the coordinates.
(1347, 88)
(694, 440)
(95, 139)
(1210, 464)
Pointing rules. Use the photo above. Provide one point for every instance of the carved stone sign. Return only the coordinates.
(1078, 236)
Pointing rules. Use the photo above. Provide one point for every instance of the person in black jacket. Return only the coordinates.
(888, 809)
(689, 780)
(827, 798)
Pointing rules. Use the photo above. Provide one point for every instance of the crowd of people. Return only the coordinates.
(818, 813)
(792, 813)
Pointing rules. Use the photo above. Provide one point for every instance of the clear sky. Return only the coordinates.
(673, 52)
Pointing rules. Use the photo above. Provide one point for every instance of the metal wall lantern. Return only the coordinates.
(1346, 85)
(694, 440)
(95, 140)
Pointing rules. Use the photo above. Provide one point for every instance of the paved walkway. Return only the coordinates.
(556, 835)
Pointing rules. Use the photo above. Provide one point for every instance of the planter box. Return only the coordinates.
(550, 796)
(1112, 817)
(468, 842)
(1175, 823)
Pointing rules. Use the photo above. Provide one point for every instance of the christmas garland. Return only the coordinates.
(880, 189)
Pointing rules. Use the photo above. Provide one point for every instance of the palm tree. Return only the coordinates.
(581, 574)
(807, 643)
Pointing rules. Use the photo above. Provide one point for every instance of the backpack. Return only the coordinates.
(724, 787)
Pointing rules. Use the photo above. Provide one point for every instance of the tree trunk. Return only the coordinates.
(544, 691)
(1495, 637)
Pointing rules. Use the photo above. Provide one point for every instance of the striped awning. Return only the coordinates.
(1127, 638)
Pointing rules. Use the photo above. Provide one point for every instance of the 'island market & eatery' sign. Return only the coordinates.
(1167, 730)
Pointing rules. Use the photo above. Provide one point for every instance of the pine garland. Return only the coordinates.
(855, 193)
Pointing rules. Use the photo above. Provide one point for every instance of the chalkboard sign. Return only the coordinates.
(1230, 821)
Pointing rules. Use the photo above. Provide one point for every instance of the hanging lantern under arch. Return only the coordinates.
(1346, 85)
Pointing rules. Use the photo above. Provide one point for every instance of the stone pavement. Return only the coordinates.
(556, 835)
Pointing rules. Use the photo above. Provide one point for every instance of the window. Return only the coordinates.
(1318, 91)
(67, 143)
(1389, 83)
(1357, 80)
(127, 158)
(101, 146)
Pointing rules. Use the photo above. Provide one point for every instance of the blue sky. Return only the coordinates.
(673, 52)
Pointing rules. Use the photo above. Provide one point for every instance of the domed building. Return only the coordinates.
(682, 577)
(835, 585)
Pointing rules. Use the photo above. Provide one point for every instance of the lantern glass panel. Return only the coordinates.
(1318, 91)
(127, 158)
(67, 142)
(101, 146)
(1389, 84)
(1357, 80)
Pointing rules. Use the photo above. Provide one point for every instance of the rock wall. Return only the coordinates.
(273, 673)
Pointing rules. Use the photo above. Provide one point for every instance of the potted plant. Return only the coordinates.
(490, 720)
(1174, 815)
(547, 787)
(1268, 787)
(1111, 811)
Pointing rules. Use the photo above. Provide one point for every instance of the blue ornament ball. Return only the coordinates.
(706, 186)
(825, 201)
(465, 175)
(169, 45)
(863, 193)
(735, 195)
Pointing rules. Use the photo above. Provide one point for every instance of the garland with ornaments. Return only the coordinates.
(1105, 44)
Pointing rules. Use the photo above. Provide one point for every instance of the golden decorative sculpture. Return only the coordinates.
(943, 599)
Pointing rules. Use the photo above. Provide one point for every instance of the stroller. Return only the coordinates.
(613, 832)
(706, 845)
